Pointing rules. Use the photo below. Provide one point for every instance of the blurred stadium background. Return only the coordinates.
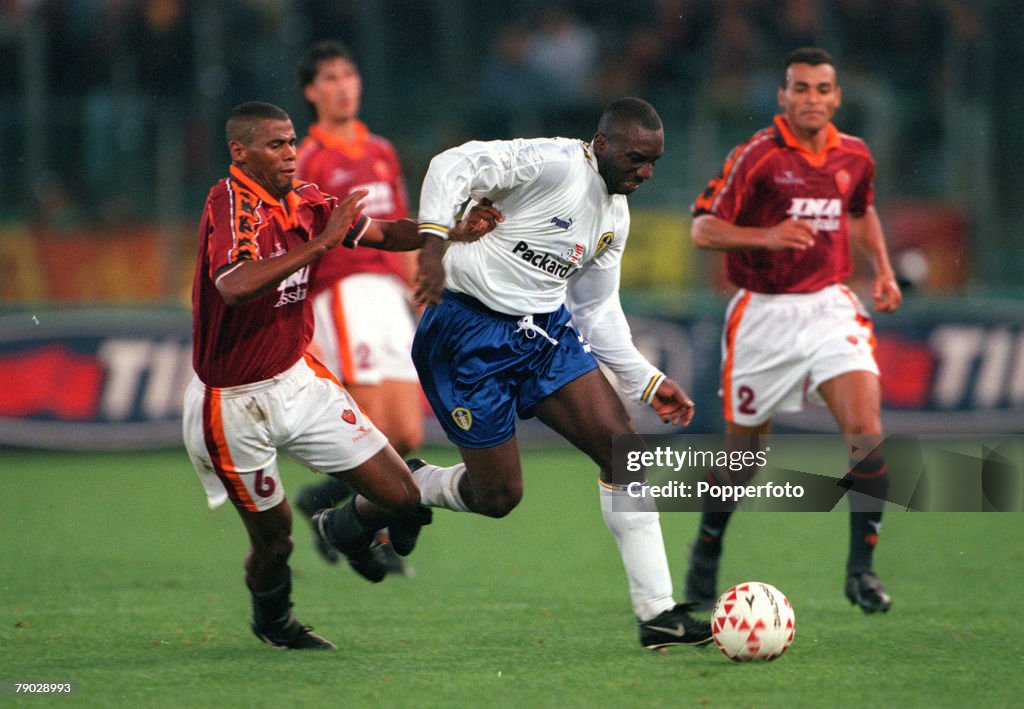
(112, 121)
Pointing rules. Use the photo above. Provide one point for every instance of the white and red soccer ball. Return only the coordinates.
(753, 621)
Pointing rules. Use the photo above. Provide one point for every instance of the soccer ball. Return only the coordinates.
(753, 621)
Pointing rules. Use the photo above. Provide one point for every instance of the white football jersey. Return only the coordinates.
(561, 240)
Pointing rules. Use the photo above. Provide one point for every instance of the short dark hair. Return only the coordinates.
(806, 55)
(621, 114)
(309, 64)
(242, 120)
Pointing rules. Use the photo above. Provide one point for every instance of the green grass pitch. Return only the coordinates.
(115, 575)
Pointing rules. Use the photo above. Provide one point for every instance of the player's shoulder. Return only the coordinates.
(380, 143)
(563, 160)
(757, 150)
(548, 148)
(760, 143)
(554, 155)
(854, 144)
(219, 190)
(569, 148)
(227, 189)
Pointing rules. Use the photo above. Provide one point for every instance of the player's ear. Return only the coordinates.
(307, 92)
(779, 96)
(599, 143)
(237, 151)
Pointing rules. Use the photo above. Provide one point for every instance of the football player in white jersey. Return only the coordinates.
(498, 341)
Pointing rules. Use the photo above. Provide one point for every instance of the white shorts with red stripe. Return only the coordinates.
(364, 329)
(232, 434)
(778, 349)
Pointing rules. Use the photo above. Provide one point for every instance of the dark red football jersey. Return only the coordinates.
(772, 177)
(241, 222)
(339, 166)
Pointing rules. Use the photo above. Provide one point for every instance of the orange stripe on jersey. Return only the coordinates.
(244, 223)
(707, 200)
(220, 454)
(348, 367)
(730, 351)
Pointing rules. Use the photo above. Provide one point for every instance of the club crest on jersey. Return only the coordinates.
(463, 418)
(842, 181)
(348, 416)
(604, 242)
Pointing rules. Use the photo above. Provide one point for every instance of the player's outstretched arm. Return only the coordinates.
(403, 234)
(250, 279)
(716, 234)
(672, 404)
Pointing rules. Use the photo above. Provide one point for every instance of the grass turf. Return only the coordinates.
(114, 575)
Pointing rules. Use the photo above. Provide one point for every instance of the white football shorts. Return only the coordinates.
(364, 329)
(232, 434)
(778, 349)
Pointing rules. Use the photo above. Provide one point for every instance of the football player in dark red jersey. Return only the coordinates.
(257, 389)
(785, 209)
(361, 301)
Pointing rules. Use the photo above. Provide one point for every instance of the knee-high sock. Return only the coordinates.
(636, 527)
(869, 483)
(439, 487)
(270, 608)
(714, 519)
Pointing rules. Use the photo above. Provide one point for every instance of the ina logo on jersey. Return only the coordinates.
(822, 214)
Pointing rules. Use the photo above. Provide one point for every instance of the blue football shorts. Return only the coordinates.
(480, 368)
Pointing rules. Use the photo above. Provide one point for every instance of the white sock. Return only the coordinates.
(634, 523)
(439, 487)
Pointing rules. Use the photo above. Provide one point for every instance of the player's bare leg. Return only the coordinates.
(493, 483)
(268, 577)
(854, 398)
